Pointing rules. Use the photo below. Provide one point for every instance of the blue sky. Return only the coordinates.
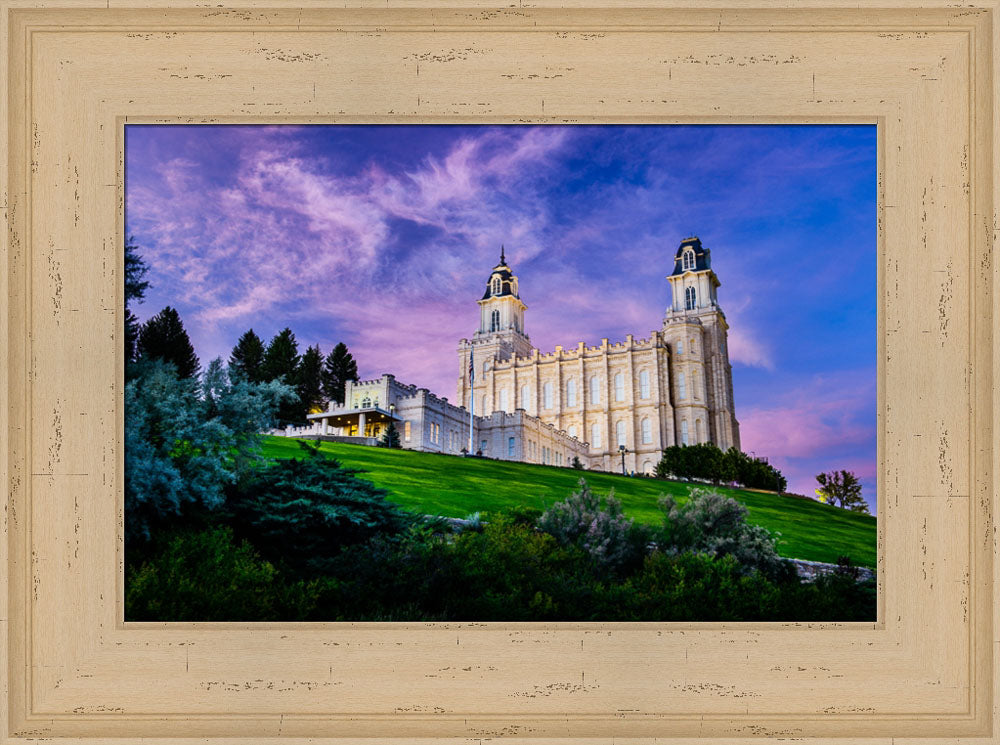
(383, 237)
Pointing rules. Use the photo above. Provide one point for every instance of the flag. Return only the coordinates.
(472, 371)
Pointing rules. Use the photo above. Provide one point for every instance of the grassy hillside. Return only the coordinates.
(455, 487)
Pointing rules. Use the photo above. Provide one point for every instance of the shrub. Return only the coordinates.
(597, 526)
(302, 512)
(714, 524)
(207, 576)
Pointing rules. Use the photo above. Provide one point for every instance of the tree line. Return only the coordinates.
(708, 462)
(315, 378)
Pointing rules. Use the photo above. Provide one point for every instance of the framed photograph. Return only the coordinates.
(109, 110)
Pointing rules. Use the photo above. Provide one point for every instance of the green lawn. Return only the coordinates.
(455, 487)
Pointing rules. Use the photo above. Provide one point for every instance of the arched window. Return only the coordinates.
(695, 391)
(644, 384)
(495, 320)
(595, 436)
(503, 399)
(620, 433)
(572, 430)
(692, 347)
(571, 392)
(547, 396)
(524, 398)
(366, 403)
(689, 298)
(681, 387)
(684, 432)
(483, 412)
(647, 432)
(595, 390)
(680, 346)
(697, 430)
(647, 467)
(619, 387)
(687, 259)
(496, 285)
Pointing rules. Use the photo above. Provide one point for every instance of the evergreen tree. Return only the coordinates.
(135, 289)
(309, 383)
(247, 357)
(841, 487)
(163, 337)
(390, 438)
(338, 368)
(281, 358)
(281, 364)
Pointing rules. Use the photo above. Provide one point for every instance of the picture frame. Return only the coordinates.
(78, 71)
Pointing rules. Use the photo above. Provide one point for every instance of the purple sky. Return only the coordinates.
(383, 238)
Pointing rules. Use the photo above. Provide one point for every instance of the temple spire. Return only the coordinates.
(503, 259)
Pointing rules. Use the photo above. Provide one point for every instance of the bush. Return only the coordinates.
(598, 527)
(302, 512)
(707, 462)
(207, 576)
(714, 524)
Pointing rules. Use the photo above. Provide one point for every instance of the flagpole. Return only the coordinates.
(472, 400)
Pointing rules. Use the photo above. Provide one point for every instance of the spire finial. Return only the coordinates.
(503, 259)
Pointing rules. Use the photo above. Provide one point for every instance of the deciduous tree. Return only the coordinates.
(841, 488)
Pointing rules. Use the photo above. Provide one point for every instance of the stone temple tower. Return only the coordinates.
(500, 335)
(696, 330)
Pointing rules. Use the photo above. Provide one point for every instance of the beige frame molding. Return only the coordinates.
(78, 70)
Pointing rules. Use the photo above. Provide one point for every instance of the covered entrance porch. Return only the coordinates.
(360, 425)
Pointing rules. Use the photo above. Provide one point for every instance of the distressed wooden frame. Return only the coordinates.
(77, 70)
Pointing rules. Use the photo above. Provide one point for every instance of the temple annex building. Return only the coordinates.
(673, 387)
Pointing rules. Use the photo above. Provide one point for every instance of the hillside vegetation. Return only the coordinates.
(456, 487)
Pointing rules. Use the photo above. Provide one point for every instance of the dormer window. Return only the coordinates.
(496, 285)
(687, 259)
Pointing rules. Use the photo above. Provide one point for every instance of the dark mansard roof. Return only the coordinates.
(702, 256)
(506, 276)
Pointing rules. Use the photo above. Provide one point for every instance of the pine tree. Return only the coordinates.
(843, 487)
(390, 438)
(135, 289)
(338, 368)
(163, 337)
(281, 363)
(281, 358)
(309, 383)
(248, 357)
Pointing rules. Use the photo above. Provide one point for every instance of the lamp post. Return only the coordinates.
(621, 449)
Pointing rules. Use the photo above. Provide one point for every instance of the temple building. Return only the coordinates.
(630, 398)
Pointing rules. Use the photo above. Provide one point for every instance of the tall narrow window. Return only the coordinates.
(695, 391)
(689, 298)
(680, 346)
(547, 396)
(510, 447)
(647, 432)
(572, 430)
(692, 346)
(595, 390)
(681, 387)
(483, 410)
(620, 433)
(406, 431)
(644, 384)
(524, 398)
(697, 430)
(495, 320)
(687, 259)
(619, 387)
(496, 285)
(595, 436)
(684, 432)
(503, 399)
(571, 392)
